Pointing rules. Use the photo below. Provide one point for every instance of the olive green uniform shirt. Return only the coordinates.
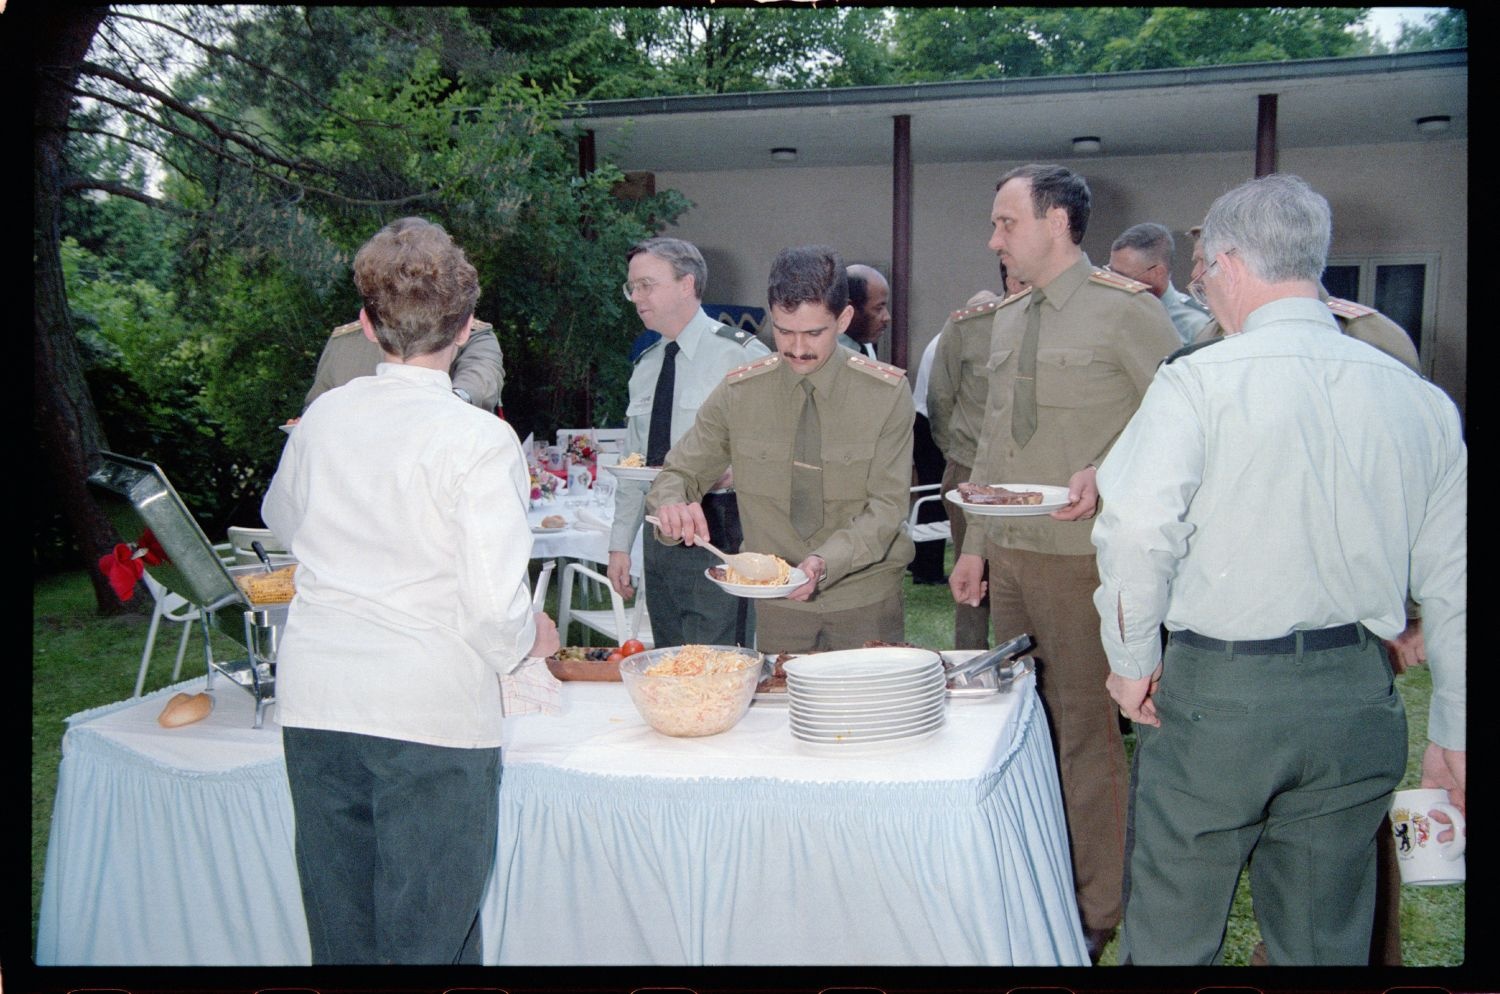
(750, 421)
(958, 383)
(1102, 337)
(478, 369)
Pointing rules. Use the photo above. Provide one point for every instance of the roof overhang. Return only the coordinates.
(1321, 102)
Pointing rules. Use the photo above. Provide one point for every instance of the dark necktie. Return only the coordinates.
(1023, 397)
(807, 468)
(659, 440)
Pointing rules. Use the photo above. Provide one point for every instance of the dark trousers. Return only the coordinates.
(395, 842)
(971, 625)
(1286, 761)
(685, 607)
(785, 629)
(927, 466)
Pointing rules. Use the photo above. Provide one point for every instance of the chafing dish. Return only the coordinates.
(138, 498)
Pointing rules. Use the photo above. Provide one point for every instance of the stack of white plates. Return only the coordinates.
(861, 696)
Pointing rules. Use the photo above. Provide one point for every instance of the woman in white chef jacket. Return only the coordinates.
(406, 509)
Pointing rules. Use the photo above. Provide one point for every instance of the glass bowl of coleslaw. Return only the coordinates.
(692, 690)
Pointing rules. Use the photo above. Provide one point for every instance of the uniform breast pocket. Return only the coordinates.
(762, 467)
(997, 361)
(1072, 378)
(640, 407)
(846, 469)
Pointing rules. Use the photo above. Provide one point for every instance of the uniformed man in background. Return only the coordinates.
(820, 439)
(870, 296)
(1070, 359)
(1143, 252)
(956, 391)
(672, 377)
(478, 371)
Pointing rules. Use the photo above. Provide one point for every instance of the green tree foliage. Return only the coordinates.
(1005, 42)
(294, 136)
(1447, 28)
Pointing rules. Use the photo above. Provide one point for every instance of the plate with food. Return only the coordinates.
(789, 579)
(551, 523)
(1009, 499)
(633, 467)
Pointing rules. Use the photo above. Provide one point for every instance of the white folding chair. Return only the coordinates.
(617, 622)
(240, 539)
(931, 531)
(171, 607)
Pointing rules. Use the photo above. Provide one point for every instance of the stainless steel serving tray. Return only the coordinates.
(136, 496)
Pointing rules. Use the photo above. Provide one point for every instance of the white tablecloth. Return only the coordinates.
(577, 540)
(617, 845)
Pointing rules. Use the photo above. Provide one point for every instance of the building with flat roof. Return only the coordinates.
(902, 177)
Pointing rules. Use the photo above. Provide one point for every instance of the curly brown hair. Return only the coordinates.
(418, 288)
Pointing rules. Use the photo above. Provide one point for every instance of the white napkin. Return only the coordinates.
(530, 689)
(588, 519)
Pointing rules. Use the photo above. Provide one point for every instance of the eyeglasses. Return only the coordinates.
(1195, 288)
(630, 289)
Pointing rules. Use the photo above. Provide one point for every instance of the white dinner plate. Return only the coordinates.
(872, 709)
(926, 728)
(286, 428)
(757, 591)
(852, 724)
(865, 685)
(544, 530)
(1053, 498)
(634, 472)
(862, 664)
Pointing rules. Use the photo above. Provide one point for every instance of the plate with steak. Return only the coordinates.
(1009, 498)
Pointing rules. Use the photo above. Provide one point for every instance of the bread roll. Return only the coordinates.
(184, 709)
(554, 521)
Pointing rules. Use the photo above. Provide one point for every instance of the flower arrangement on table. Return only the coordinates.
(582, 452)
(544, 485)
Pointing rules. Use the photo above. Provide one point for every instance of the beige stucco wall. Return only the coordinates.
(1407, 197)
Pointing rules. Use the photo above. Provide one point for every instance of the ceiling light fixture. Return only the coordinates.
(1087, 144)
(783, 154)
(1434, 124)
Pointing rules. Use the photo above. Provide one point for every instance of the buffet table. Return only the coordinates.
(617, 845)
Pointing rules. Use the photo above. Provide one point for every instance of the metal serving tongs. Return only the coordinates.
(993, 659)
(260, 551)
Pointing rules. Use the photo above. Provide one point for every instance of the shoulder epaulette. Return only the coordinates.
(763, 365)
(344, 329)
(1348, 308)
(882, 371)
(1190, 349)
(1106, 278)
(738, 336)
(964, 313)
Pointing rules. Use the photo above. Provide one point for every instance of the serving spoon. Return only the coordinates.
(750, 565)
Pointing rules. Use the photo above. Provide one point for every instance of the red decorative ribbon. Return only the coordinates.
(122, 569)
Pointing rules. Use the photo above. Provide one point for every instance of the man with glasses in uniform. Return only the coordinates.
(672, 378)
(1143, 253)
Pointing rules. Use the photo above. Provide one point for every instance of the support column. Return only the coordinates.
(901, 241)
(1265, 136)
(586, 153)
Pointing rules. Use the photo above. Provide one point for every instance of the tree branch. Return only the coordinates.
(257, 66)
(257, 148)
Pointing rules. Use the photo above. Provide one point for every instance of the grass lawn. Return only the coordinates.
(82, 661)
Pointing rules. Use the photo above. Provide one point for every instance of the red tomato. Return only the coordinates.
(631, 647)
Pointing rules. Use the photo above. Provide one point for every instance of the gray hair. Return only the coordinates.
(1150, 239)
(683, 257)
(1280, 226)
